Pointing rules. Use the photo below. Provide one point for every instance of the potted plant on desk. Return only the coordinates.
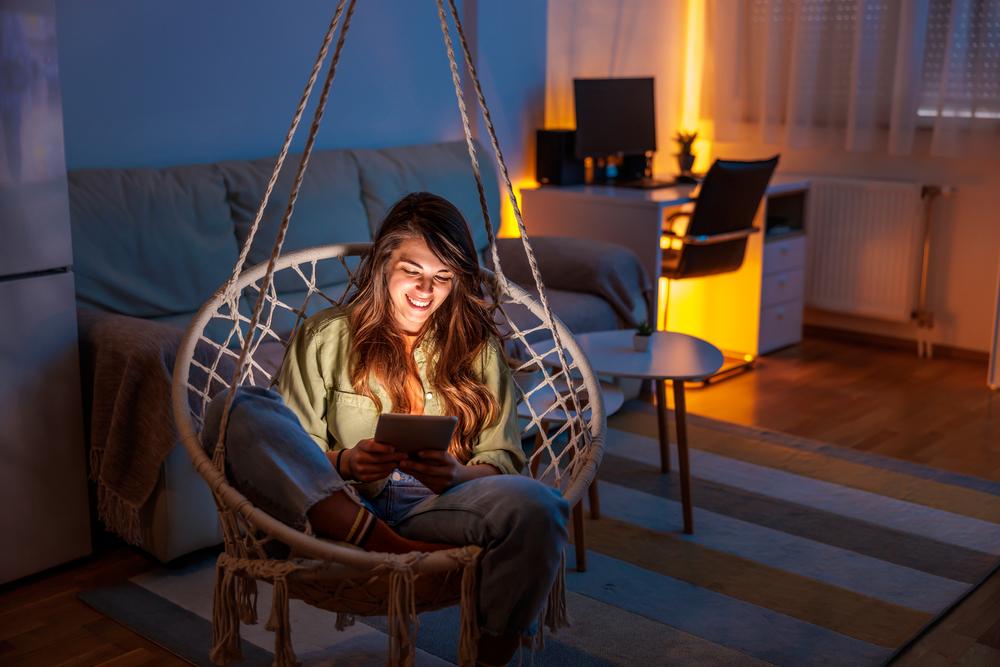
(640, 341)
(685, 156)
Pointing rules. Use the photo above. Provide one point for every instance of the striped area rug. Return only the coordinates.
(803, 553)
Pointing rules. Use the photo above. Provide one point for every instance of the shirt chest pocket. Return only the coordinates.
(351, 417)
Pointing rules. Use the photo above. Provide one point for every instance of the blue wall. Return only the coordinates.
(162, 83)
(511, 49)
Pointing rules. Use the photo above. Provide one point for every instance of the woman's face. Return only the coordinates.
(418, 284)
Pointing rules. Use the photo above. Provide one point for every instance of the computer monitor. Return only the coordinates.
(614, 116)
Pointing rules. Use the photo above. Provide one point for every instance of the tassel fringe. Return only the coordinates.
(468, 638)
(280, 625)
(556, 616)
(225, 618)
(344, 621)
(246, 593)
(403, 622)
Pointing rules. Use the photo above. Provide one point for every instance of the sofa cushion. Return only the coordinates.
(580, 312)
(327, 210)
(388, 174)
(150, 242)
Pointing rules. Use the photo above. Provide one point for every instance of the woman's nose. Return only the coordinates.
(425, 284)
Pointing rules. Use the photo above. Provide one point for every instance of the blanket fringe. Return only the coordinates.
(119, 515)
(96, 457)
(225, 617)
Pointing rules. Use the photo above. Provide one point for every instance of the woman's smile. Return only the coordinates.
(419, 282)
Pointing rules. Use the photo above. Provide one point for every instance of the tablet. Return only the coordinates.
(412, 433)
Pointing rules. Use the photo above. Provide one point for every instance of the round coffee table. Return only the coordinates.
(671, 356)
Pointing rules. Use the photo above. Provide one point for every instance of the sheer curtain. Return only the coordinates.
(860, 75)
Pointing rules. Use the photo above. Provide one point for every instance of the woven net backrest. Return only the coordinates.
(239, 336)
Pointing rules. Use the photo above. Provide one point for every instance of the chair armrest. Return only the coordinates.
(607, 270)
(712, 239)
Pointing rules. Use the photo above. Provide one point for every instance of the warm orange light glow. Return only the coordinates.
(508, 223)
(694, 62)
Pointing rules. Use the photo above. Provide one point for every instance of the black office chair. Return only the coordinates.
(715, 240)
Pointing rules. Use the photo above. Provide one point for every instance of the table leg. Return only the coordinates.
(595, 500)
(680, 420)
(664, 427)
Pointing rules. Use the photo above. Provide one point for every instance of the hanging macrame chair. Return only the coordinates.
(331, 575)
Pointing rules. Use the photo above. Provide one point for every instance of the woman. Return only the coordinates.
(418, 338)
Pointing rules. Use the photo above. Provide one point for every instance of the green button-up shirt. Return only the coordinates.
(315, 382)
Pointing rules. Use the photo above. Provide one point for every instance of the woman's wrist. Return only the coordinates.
(342, 464)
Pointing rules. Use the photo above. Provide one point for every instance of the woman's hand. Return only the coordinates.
(369, 460)
(440, 471)
(437, 470)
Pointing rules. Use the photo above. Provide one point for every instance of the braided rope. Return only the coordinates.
(502, 165)
(219, 455)
(280, 161)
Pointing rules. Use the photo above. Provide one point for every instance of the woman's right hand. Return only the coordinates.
(369, 460)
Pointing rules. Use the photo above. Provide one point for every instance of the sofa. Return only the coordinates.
(151, 245)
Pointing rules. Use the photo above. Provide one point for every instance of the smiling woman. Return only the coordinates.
(418, 337)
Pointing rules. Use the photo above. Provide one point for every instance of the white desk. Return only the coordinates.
(754, 310)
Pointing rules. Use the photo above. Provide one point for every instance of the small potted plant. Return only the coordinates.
(640, 341)
(685, 157)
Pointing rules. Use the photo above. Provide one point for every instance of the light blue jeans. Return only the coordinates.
(519, 522)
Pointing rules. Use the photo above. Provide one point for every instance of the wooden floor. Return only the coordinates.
(937, 412)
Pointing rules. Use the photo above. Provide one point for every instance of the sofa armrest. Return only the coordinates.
(604, 269)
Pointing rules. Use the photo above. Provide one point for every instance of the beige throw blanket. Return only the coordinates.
(126, 365)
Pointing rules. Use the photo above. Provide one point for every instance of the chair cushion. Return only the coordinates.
(388, 174)
(150, 242)
(327, 210)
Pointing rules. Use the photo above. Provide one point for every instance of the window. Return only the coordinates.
(961, 67)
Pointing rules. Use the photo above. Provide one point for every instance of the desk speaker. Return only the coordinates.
(555, 158)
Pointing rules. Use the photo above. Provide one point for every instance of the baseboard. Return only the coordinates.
(891, 342)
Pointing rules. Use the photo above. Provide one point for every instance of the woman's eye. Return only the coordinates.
(443, 279)
(410, 273)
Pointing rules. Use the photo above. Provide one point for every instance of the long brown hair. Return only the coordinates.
(459, 330)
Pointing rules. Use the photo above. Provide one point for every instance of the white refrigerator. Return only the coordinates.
(44, 513)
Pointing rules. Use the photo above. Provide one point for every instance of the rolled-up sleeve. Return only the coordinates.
(500, 443)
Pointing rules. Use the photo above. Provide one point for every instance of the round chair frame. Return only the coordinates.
(319, 566)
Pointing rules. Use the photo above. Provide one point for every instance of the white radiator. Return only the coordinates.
(865, 247)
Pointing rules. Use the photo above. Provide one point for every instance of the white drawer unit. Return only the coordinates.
(780, 326)
(783, 254)
(783, 286)
(782, 290)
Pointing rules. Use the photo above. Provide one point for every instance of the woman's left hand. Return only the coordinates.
(437, 470)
